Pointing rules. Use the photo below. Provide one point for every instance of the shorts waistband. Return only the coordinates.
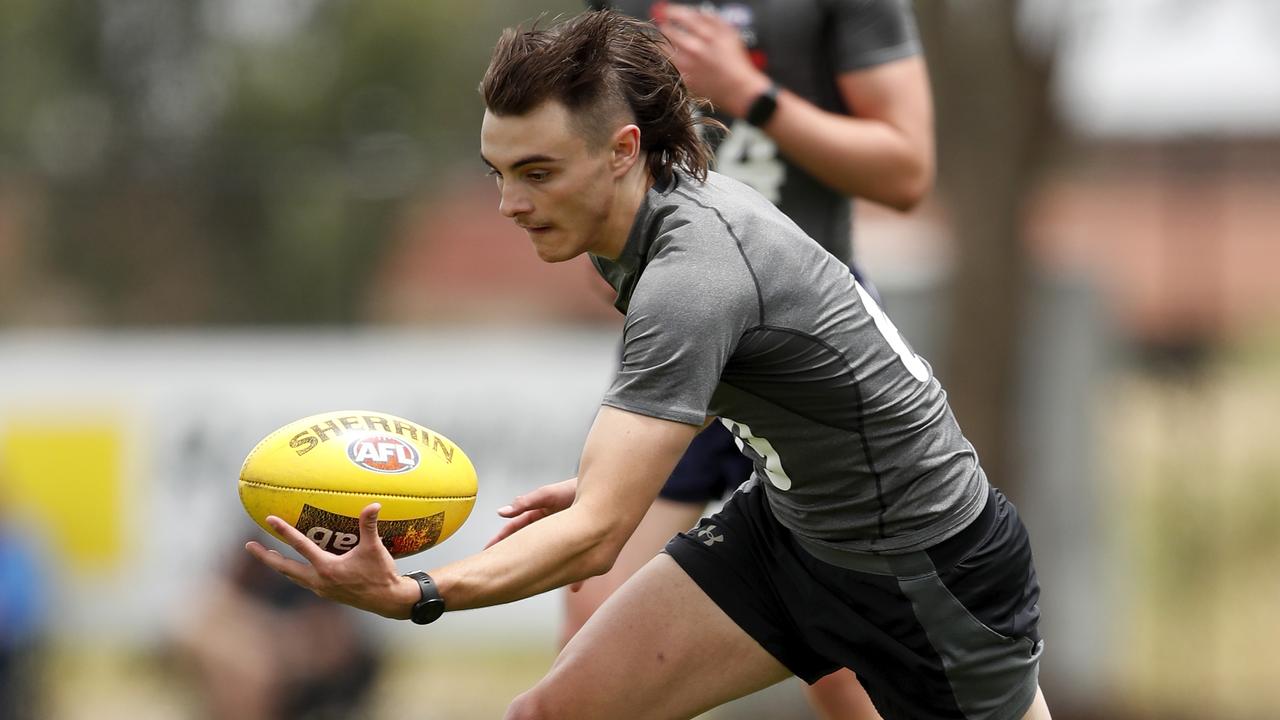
(941, 556)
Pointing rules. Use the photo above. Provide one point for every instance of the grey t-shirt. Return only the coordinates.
(803, 45)
(732, 311)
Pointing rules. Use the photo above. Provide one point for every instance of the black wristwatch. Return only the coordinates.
(763, 107)
(431, 606)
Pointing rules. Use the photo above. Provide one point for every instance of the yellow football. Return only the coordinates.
(317, 473)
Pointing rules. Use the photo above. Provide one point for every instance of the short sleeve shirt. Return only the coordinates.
(732, 311)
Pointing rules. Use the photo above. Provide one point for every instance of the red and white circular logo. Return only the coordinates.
(383, 453)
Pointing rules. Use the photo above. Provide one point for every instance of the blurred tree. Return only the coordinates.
(231, 160)
(991, 88)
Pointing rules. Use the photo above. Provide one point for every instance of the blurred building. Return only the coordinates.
(1161, 191)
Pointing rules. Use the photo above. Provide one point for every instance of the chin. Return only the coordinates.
(554, 253)
(549, 256)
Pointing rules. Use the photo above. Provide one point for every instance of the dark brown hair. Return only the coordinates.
(606, 69)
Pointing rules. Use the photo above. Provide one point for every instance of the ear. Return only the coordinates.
(624, 149)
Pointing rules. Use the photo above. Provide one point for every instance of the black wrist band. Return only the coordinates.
(431, 606)
(763, 107)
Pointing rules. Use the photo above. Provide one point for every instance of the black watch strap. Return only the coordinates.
(431, 606)
(763, 107)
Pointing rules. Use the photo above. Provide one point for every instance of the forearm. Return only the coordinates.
(555, 551)
(626, 459)
(859, 158)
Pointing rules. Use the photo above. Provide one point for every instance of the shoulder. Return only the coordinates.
(696, 270)
(721, 200)
(702, 227)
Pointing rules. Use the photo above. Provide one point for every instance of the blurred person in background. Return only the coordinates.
(261, 648)
(825, 102)
(23, 603)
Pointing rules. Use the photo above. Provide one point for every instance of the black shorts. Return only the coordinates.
(948, 632)
(711, 467)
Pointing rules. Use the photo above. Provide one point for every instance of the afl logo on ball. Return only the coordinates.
(383, 453)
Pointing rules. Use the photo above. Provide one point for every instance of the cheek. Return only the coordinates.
(585, 200)
(598, 196)
(582, 204)
(591, 212)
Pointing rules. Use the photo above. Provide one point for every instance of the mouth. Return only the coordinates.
(535, 229)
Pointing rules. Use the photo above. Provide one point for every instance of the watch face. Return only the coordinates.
(763, 107)
(431, 606)
(427, 611)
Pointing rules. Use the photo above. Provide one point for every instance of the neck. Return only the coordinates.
(626, 203)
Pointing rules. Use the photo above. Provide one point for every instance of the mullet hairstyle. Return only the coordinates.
(607, 69)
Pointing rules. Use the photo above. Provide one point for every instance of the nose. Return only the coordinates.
(513, 202)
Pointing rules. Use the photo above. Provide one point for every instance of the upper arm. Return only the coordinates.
(625, 461)
(896, 94)
(880, 71)
(684, 321)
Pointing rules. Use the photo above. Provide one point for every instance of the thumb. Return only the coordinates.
(369, 524)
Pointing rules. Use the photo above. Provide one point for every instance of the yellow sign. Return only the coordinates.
(69, 477)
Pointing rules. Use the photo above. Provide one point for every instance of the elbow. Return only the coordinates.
(911, 194)
(600, 554)
(597, 563)
(910, 188)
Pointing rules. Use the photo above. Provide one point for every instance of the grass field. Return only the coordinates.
(1196, 530)
(118, 685)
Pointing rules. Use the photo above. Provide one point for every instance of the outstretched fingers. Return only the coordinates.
(535, 505)
(532, 500)
(522, 520)
(300, 573)
(313, 553)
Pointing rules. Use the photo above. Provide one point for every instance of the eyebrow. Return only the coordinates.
(527, 160)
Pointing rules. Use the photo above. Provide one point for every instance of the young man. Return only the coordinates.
(786, 76)
(868, 537)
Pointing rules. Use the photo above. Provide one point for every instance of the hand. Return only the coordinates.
(534, 506)
(364, 578)
(712, 58)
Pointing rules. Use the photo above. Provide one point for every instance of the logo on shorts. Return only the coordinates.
(383, 453)
(709, 537)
